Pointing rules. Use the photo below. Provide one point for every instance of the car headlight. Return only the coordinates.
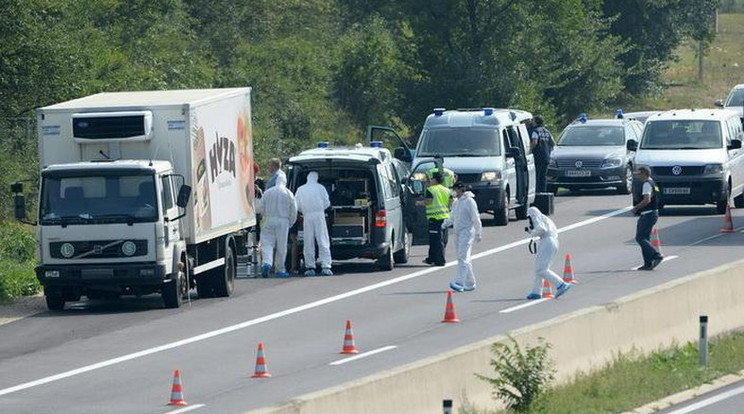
(128, 248)
(611, 163)
(67, 250)
(552, 163)
(713, 169)
(491, 176)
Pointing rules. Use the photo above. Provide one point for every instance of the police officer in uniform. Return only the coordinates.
(645, 206)
(542, 143)
(437, 203)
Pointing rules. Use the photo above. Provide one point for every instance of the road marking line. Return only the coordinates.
(709, 401)
(363, 355)
(666, 259)
(281, 314)
(524, 305)
(186, 409)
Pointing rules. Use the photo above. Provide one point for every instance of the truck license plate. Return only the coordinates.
(96, 274)
(578, 173)
(677, 190)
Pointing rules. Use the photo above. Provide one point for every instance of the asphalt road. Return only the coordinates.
(119, 356)
(726, 400)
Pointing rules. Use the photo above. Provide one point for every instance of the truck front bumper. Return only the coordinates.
(123, 275)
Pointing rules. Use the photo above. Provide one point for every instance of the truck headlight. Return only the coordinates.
(67, 250)
(491, 176)
(611, 163)
(713, 169)
(128, 248)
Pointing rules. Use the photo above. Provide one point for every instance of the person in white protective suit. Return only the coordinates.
(464, 217)
(312, 201)
(544, 228)
(279, 210)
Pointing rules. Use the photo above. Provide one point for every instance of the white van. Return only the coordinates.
(695, 156)
(489, 150)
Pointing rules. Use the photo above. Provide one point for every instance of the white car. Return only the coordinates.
(735, 101)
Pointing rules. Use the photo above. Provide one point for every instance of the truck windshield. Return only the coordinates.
(459, 142)
(592, 135)
(97, 199)
(682, 135)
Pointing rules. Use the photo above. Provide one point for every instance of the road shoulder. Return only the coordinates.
(21, 308)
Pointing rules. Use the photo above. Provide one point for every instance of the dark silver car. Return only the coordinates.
(593, 154)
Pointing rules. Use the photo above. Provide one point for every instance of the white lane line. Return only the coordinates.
(666, 259)
(363, 355)
(186, 409)
(709, 401)
(524, 305)
(281, 314)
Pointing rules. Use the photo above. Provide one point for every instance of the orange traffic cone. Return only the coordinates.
(728, 222)
(449, 310)
(349, 347)
(176, 397)
(261, 371)
(568, 273)
(547, 290)
(655, 241)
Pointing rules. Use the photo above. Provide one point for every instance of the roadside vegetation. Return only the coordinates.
(629, 380)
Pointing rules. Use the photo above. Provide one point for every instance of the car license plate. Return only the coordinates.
(578, 173)
(677, 190)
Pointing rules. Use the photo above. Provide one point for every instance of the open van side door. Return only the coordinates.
(391, 140)
(415, 209)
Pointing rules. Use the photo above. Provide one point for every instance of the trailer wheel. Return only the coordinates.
(54, 298)
(225, 284)
(175, 290)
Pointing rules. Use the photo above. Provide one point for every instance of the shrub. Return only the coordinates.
(522, 375)
(17, 261)
(17, 279)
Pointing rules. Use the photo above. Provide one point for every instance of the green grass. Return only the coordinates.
(632, 380)
(17, 261)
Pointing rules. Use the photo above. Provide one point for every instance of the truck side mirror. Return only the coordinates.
(19, 202)
(184, 194)
(16, 188)
(718, 103)
(631, 145)
(735, 144)
(403, 154)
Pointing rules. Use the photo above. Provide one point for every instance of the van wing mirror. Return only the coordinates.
(184, 194)
(735, 144)
(513, 152)
(718, 103)
(403, 154)
(631, 145)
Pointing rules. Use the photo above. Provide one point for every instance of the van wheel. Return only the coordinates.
(174, 291)
(739, 201)
(501, 215)
(386, 261)
(521, 212)
(54, 298)
(401, 256)
(225, 284)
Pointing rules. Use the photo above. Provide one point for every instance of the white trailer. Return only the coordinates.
(117, 214)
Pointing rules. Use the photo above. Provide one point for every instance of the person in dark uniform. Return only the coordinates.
(542, 143)
(645, 206)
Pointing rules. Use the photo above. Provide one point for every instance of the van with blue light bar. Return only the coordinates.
(488, 150)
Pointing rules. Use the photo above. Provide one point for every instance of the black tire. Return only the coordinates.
(501, 215)
(739, 201)
(385, 262)
(401, 256)
(552, 189)
(628, 185)
(175, 290)
(225, 284)
(204, 285)
(55, 299)
(722, 204)
(521, 212)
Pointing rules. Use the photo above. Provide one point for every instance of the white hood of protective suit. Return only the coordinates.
(464, 214)
(542, 226)
(312, 197)
(279, 202)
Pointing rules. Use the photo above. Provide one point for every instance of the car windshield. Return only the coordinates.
(451, 142)
(592, 136)
(95, 199)
(681, 135)
(736, 98)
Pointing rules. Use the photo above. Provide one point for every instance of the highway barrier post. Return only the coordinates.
(703, 344)
(447, 406)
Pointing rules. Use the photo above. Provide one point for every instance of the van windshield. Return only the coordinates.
(736, 98)
(682, 135)
(592, 135)
(459, 142)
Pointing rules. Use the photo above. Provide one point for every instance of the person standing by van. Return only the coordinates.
(542, 143)
(280, 210)
(312, 201)
(466, 221)
(645, 206)
(437, 203)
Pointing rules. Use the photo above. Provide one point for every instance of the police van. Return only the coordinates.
(366, 218)
(488, 149)
(695, 156)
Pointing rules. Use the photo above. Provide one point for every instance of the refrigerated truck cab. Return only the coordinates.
(488, 149)
(116, 212)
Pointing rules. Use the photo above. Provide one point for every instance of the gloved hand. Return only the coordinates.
(527, 229)
(478, 238)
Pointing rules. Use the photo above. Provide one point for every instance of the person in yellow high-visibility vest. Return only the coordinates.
(448, 176)
(437, 203)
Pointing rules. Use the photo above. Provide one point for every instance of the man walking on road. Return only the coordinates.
(437, 210)
(542, 143)
(280, 210)
(645, 206)
(466, 221)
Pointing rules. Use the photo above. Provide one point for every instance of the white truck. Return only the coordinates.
(115, 211)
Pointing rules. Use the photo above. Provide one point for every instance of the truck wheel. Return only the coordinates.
(401, 256)
(204, 285)
(224, 285)
(174, 291)
(386, 261)
(521, 212)
(501, 215)
(54, 298)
